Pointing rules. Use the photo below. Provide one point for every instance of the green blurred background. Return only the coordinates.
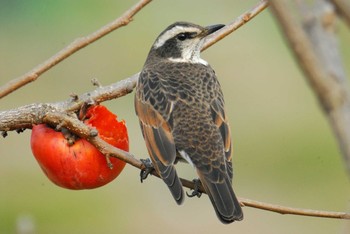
(285, 152)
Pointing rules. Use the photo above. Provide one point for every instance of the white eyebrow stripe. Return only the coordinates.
(169, 34)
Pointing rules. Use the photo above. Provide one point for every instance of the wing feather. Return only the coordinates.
(160, 143)
(221, 121)
(157, 132)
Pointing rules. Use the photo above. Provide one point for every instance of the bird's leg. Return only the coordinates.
(196, 190)
(148, 168)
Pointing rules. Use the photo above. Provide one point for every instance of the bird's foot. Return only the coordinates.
(148, 168)
(196, 190)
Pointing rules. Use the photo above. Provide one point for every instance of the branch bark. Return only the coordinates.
(26, 116)
(293, 211)
(315, 49)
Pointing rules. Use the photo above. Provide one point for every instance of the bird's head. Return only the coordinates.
(182, 42)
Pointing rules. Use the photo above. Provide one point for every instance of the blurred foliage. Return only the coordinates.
(285, 152)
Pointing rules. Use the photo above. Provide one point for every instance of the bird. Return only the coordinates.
(181, 110)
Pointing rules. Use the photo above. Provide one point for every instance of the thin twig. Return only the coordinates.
(293, 211)
(237, 23)
(76, 45)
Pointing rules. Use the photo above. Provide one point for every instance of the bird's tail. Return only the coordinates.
(223, 198)
(169, 176)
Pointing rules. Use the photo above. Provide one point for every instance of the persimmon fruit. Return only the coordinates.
(80, 165)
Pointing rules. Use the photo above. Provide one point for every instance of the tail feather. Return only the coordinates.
(170, 177)
(223, 198)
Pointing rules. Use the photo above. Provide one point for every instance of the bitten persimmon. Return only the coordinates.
(81, 165)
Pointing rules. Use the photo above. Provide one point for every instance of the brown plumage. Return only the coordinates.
(181, 109)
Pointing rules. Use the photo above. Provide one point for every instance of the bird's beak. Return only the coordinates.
(212, 28)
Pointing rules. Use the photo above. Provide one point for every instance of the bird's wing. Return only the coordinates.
(156, 131)
(221, 121)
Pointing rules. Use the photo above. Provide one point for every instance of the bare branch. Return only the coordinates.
(293, 211)
(104, 93)
(76, 45)
(316, 51)
(26, 116)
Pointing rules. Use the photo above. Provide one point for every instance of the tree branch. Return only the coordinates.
(294, 211)
(76, 45)
(26, 116)
(315, 48)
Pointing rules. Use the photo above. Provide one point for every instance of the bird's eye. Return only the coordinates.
(182, 36)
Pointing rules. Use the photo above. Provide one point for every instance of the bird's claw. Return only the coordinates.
(196, 190)
(148, 168)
